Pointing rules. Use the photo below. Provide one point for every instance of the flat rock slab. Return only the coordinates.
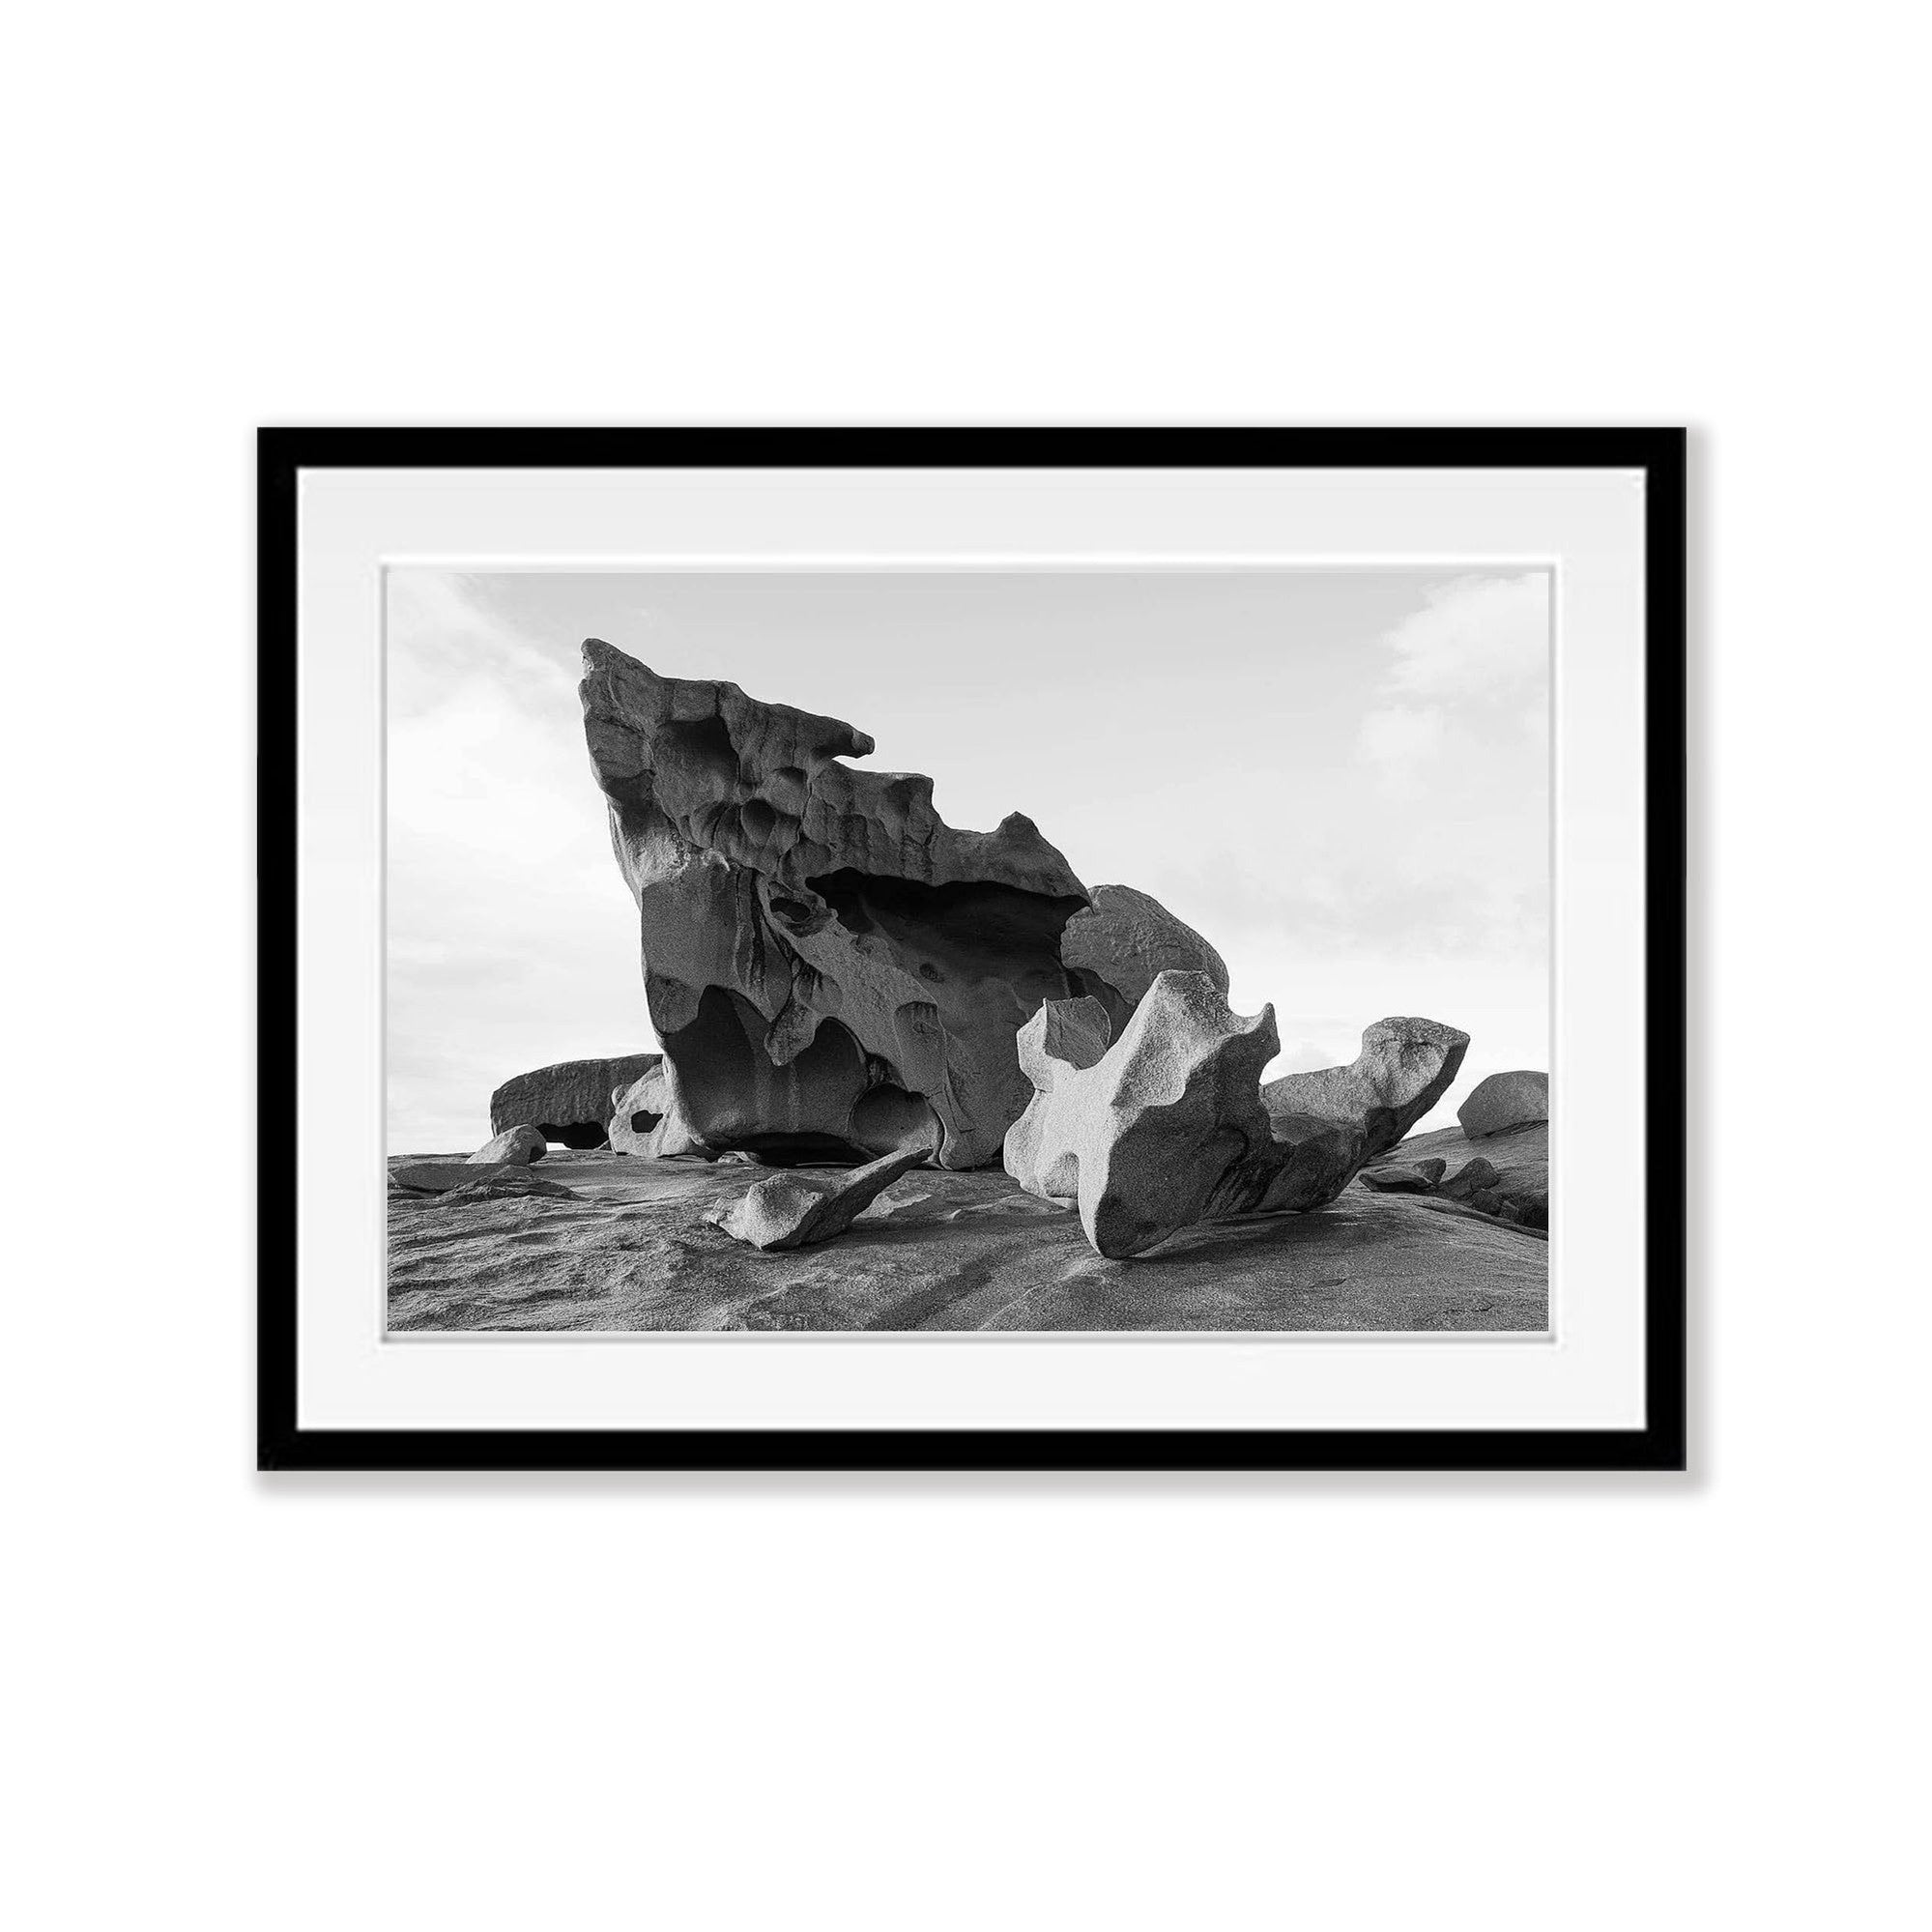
(954, 1252)
(1401, 1180)
(440, 1176)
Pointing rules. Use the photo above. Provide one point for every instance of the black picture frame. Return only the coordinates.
(1659, 1444)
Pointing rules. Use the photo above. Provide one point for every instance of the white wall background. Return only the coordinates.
(1498, 1704)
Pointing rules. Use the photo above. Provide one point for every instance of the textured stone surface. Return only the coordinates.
(437, 1176)
(514, 1183)
(970, 1251)
(521, 1144)
(1470, 1178)
(831, 969)
(1513, 1183)
(792, 1211)
(1168, 1125)
(569, 1103)
(642, 1120)
(1405, 1066)
(1504, 1101)
(1399, 1180)
(1116, 948)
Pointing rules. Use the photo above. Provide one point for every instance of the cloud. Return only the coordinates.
(512, 941)
(1467, 676)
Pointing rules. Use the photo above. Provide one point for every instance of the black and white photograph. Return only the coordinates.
(965, 965)
(956, 952)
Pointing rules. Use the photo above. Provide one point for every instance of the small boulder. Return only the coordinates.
(1504, 1101)
(789, 1211)
(1400, 1180)
(1470, 1178)
(518, 1146)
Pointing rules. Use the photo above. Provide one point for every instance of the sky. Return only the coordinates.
(1340, 777)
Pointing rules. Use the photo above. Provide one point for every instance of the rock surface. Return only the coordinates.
(790, 1211)
(972, 1252)
(1399, 1180)
(521, 1144)
(1470, 1178)
(1405, 1066)
(831, 969)
(1168, 1125)
(513, 1183)
(569, 1103)
(1504, 1101)
(1514, 1184)
(1117, 949)
(432, 1177)
(439, 1176)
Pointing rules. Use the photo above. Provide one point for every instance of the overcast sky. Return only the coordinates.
(1340, 777)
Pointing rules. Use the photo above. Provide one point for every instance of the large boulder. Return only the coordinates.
(1125, 939)
(569, 1103)
(1505, 1101)
(1169, 1124)
(833, 970)
(521, 1144)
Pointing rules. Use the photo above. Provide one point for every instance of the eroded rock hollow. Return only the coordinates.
(833, 971)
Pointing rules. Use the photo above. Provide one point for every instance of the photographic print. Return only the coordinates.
(711, 1006)
(936, 949)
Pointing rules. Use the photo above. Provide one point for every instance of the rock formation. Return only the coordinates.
(642, 1120)
(570, 1103)
(1169, 1124)
(1509, 1179)
(1117, 949)
(521, 1144)
(830, 967)
(1504, 1101)
(789, 1211)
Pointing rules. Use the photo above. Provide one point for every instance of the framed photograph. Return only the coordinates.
(972, 949)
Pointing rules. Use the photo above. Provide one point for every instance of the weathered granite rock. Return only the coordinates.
(831, 969)
(569, 1103)
(1115, 950)
(1470, 1178)
(643, 1121)
(1169, 1124)
(1405, 1066)
(439, 1176)
(1517, 1160)
(521, 1144)
(513, 1183)
(940, 1251)
(1504, 1101)
(790, 1211)
(1399, 1179)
